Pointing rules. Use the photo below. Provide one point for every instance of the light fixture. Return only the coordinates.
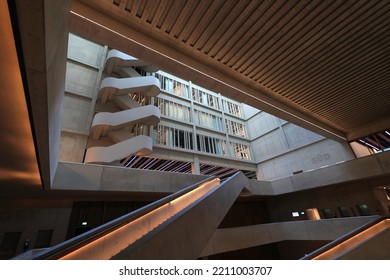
(295, 214)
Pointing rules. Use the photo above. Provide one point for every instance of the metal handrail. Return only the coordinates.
(343, 238)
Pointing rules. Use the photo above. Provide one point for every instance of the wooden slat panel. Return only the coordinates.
(329, 58)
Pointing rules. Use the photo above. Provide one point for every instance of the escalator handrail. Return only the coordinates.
(343, 238)
(62, 249)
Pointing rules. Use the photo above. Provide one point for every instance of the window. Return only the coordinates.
(232, 108)
(235, 128)
(240, 151)
(211, 145)
(208, 120)
(172, 86)
(205, 98)
(172, 109)
(174, 137)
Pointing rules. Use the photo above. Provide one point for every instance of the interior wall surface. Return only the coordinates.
(29, 217)
(347, 197)
(309, 157)
(85, 64)
(282, 148)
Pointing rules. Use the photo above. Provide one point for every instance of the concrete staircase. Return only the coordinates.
(124, 128)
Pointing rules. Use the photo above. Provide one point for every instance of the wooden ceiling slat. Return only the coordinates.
(218, 19)
(229, 29)
(174, 13)
(150, 11)
(328, 58)
(314, 36)
(183, 18)
(249, 16)
(269, 31)
(161, 13)
(342, 48)
(194, 20)
(207, 16)
(290, 30)
(132, 6)
(348, 74)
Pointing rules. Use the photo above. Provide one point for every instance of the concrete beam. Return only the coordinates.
(369, 129)
(75, 176)
(367, 168)
(89, 177)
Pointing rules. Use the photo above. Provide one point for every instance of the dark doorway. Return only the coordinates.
(9, 245)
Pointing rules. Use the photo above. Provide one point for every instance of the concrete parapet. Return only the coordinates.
(365, 168)
(148, 86)
(91, 177)
(230, 239)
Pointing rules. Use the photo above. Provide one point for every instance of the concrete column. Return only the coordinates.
(195, 168)
(259, 174)
(284, 134)
(96, 89)
(195, 144)
(383, 201)
(228, 151)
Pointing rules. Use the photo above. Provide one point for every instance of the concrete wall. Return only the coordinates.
(313, 156)
(349, 196)
(43, 34)
(281, 148)
(84, 70)
(29, 216)
(249, 111)
(73, 176)
(72, 146)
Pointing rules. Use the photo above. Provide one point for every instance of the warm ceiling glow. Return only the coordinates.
(19, 162)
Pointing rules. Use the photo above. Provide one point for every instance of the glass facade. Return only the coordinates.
(235, 128)
(204, 98)
(211, 145)
(232, 108)
(171, 85)
(174, 137)
(195, 107)
(240, 151)
(208, 120)
(174, 110)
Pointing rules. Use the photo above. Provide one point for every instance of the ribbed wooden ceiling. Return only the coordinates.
(331, 58)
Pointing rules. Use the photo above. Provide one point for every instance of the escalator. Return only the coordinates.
(176, 227)
(368, 242)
